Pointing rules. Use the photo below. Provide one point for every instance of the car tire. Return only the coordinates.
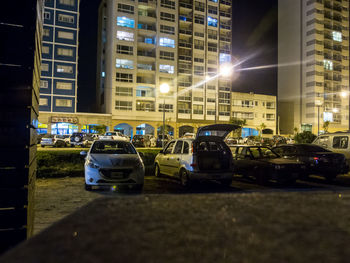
(157, 171)
(226, 182)
(184, 179)
(88, 187)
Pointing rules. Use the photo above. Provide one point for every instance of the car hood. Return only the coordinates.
(113, 160)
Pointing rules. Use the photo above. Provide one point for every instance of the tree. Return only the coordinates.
(325, 126)
(261, 128)
(240, 123)
(100, 129)
(295, 130)
(305, 137)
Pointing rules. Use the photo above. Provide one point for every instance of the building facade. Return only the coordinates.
(313, 57)
(258, 110)
(59, 68)
(180, 43)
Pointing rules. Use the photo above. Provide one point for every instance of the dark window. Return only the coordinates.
(178, 147)
(340, 142)
(170, 147)
(186, 149)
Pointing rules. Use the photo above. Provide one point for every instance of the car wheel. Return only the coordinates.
(185, 181)
(88, 187)
(226, 182)
(157, 171)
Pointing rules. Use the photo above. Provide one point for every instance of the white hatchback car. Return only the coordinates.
(113, 163)
(114, 135)
(207, 157)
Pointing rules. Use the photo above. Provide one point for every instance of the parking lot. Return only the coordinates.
(57, 198)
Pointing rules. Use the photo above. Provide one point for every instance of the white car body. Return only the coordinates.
(55, 141)
(110, 168)
(113, 135)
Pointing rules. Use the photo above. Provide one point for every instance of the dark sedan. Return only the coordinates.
(317, 159)
(141, 141)
(264, 164)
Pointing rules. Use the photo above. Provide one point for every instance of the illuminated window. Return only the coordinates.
(46, 32)
(67, 2)
(224, 58)
(167, 42)
(337, 36)
(66, 18)
(68, 52)
(43, 102)
(64, 85)
(125, 22)
(166, 69)
(65, 35)
(142, 91)
(64, 69)
(212, 21)
(123, 91)
(44, 84)
(127, 36)
(123, 105)
(124, 63)
(45, 50)
(44, 67)
(328, 64)
(63, 103)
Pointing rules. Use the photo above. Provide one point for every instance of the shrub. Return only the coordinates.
(62, 163)
(305, 137)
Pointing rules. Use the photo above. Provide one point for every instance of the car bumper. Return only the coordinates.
(95, 178)
(202, 176)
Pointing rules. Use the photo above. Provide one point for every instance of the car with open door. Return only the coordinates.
(263, 164)
(317, 159)
(206, 157)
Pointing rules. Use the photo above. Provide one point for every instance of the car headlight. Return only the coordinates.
(92, 164)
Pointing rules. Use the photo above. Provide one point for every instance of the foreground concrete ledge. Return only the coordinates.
(253, 227)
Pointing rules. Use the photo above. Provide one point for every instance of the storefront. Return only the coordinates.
(64, 125)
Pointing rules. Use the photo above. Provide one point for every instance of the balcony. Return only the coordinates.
(147, 27)
(185, 44)
(184, 18)
(225, 26)
(226, 2)
(186, 31)
(225, 14)
(225, 38)
(143, 53)
(145, 80)
(187, 5)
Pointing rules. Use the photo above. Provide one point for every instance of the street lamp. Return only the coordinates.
(164, 89)
(318, 104)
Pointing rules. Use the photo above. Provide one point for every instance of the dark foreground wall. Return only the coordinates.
(20, 58)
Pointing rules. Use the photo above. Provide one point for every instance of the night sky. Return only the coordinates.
(254, 31)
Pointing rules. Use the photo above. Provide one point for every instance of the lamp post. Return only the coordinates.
(318, 104)
(164, 89)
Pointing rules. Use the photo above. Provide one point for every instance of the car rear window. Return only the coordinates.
(112, 147)
(210, 146)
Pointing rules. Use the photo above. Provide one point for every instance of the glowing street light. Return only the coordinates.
(335, 110)
(226, 70)
(343, 94)
(164, 89)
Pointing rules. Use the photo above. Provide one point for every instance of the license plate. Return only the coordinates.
(117, 175)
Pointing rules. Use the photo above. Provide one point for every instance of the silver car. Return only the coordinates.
(113, 163)
(206, 157)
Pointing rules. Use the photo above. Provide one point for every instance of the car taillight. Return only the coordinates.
(193, 164)
(192, 148)
(316, 158)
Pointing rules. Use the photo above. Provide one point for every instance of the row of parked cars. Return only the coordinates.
(208, 157)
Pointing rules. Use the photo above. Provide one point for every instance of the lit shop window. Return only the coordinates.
(328, 64)
(166, 69)
(66, 18)
(127, 36)
(124, 63)
(337, 36)
(167, 42)
(44, 84)
(44, 67)
(125, 22)
(212, 21)
(64, 69)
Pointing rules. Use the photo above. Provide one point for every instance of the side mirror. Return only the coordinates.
(83, 153)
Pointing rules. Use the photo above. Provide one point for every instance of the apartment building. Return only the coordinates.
(147, 43)
(258, 110)
(313, 56)
(59, 68)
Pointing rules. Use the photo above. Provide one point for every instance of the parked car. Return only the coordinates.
(153, 141)
(231, 141)
(207, 157)
(317, 159)
(39, 137)
(55, 140)
(251, 140)
(166, 139)
(141, 141)
(113, 163)
(264, 164)
(82, 139)
(335, 142)
(114, 135)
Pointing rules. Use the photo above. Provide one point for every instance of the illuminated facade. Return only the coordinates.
(59, 68)
(313, 74)
(181, 43)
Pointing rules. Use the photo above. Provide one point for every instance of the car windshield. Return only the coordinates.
(112, 147)
(263, 153)
(311, 148)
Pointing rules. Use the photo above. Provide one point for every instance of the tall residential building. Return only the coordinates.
(59, 68)
(313, 57)
(147, 43)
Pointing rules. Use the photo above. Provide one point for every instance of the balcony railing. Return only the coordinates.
(185, 32)
(185, 44)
